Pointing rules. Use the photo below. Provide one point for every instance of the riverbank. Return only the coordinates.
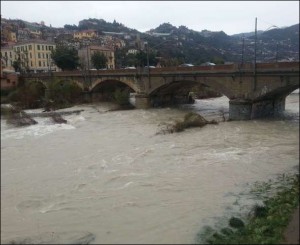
(291, 234)
(276, 221)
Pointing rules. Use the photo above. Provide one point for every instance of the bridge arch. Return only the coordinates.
(103, 90)
(120, 83)
(222, 87)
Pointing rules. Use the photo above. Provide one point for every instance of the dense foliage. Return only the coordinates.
(101, 25)
(62, 93)
(121, 97)
(99, 60)
(65, 57)
(29, 95)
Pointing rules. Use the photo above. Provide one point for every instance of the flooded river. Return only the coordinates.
(107, 177)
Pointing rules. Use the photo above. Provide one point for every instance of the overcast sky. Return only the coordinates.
(232, 17)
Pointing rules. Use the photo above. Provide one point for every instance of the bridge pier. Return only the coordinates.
(240, 109)
(268, 108)
(247, 110)
(142, 101)
(47, 94)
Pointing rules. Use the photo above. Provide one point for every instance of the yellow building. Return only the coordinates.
(7, 58)
(35, 56)
(85, 34)
(13, 37)
(86, 53)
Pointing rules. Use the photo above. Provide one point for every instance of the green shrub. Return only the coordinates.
(236, 222)
(64, 93)
(121, 97)
(30, 95)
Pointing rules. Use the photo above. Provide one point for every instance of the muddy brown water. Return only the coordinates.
(107, 177)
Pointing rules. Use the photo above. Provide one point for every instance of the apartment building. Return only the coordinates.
(35, 56)
(86, 53)
(7, 58)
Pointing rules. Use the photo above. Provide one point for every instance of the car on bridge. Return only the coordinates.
(186, 65)
(129, 67)
(208, 64)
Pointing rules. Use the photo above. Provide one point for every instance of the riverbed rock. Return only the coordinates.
(17, 117)
(57, 118)
(190, 120)
(193, 119)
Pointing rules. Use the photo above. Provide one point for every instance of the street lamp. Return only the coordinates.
(243, 48)
(148, 68)
(255, 44)
(277, 52)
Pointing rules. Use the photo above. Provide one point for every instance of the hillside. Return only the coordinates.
(179, 44)
(198, 47)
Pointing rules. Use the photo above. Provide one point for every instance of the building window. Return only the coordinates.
(39, 55)
(43, 56)
(31, 63)
(22, 48)
(40, 64)
(30, 54)
(29, 47)
(10, 55)
(38, 47)
(25, 48)
(46, 47)
(44, 63)
(42, 47)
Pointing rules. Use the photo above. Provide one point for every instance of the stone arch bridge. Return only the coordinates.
(253, 90)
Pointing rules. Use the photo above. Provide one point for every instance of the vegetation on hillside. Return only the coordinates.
(184, 45)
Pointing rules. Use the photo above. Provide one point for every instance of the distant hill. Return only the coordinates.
(184, 45)
(189, 46)
(218, 47)
(247, 34)
(100, 25)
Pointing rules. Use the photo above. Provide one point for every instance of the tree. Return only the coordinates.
(17, 65)
(99, 60)
(141, 58)
(65, 58)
